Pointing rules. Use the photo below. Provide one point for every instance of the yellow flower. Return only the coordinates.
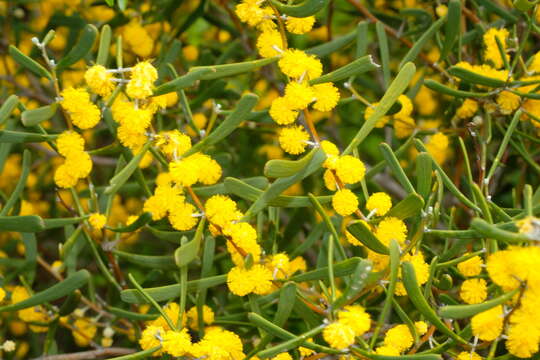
(86, 330)
(491, 51)
(210, 171)
(399, 337)
(218, 344)
(2, 294)
(488, 325)
(508, 102)
(300, 25)
(297, 64)
(293, 140)
(391, 228)
(173, 143)
(282, 356)
(473, 291)
(465, 355)
(380, 203)
(327, 96)
(269, 43)
(141, 83)
(299, 95)
(97, 220)
(176, 343)
(83, 113)
(221, 210)
(329, 180)
(523, 340)
(138, 39)
(79, 164)
(332, 154)
(387, 351)
(345, 202)
(471, 267)
(406, 107)
(282, 112)
(99, 80)
(185, 172)
(190, 52)
(339, 335)
(404, 127)
(243, 236)
(181, 216)
(69, 142)
(257, 279)
(250, 12)
(369, 111)
(467, 109)
(349, 169)
(64, 178)
(356, 317)
(193, 317)
(421, 269)
(151, 337)
(437, 146)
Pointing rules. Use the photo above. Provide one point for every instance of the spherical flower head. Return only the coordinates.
(300, 25)
(467, 109)
(523, 340)
(131, 137)
(421, 327)
(210, 171)
(399, 337)
(488, 325)
(218, 344)
(356, 317)
(154, 206)
(269, 43)
(280, 265)
(473, 291)
(501, 269)
(299, 95)
(242, 236)
(282, 356)
(138, 39)
(79, 164)
(74, 98)
(404, 127)
(151, 337)
(471, 267)
(293, 139)
(99, 80)
(508, 102)
(97, 221)
(242, 281)
(299, 65)
(141, 83)
(86, 331)
(176, 343)
(327, 96)
(193, 317)
(349, 169)
(339, 335)
(297, 264)
(220, 210)
(249, 11)
(64, 178)
(171, 310)
(173, 143)
(181, 216)
(185, 172)
(261, 278)
(406, 107)
(2, 294)
(437, 146)
(491, 51)
(86, 117)
(421, 270)
(69, 142)
(467, 355)
(344, 202)
(380, 203)
(282, 112)
(387, 351)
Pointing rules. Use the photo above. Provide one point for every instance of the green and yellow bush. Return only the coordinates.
(226, 180)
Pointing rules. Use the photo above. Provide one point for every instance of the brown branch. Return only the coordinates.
(93, 354)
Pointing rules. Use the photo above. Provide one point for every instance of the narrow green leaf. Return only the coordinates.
(14, 137)
(81, 49)
(61, 222)
(342, 268)
(360, 230)
(494, 7)
(7, 108)
(474, 78)
(328, 48)
(357, 67)
(488, 230)
(187, 252)
(141, 221)
(358, 281)
(58, 290)
(104, 45)
(408, 207)
(421, 42)
(123, 175)
(165, 262)
(140, 354)
(304, 9)
(34, 117)
(221, 71)
(452, 28)
(396, 88)
(16, 193)
(182, 82)
(290, 344)
(418, 300)
(464, 311)
(524, 5)
(424, 175)
(382, 40)
(396, 168)
(278, 168)
(125, 314)
(446, 90)
(26, 223)
(28, 63)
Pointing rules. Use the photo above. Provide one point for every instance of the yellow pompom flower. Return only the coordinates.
(137, 39)
(369, 111)
(185, 172)
(473, 291)
(293, 140)
(327, 96)
(329, 180)
(130, 136)
(345, 202)
(339, 335)
(176, 343)
(466, 355)
(491, 51)
(173, 143)
(190, 52)
(391, 228)
(269, 43)
(193, 317)
(83, 113)
(69, 142)
(332, 154)
(300, 25)
(406, 107)
(379, 203)
(421, 327)
(399, 337)
(97, 220)
(257, 279)
(79, 164)
(299, 95)
(282, 112)
(297, 64)
(349, 169)
(74, 98)
(64, 177)
(421, 269)
(437, 146)
(151, 337)
(467, 109)
(210, 171)
(488, 325)
(404, 127)
(99, 80)
(282, 356)
(220, 210)
(356, 317)
(471, 267)
(141, 83)
(523, 340)
(500, 268)
(250, 12)
(86, 330)
(181, 216)
(508, 102)
(2, 294)
(243, 236)
(387, 351)
(218, 344)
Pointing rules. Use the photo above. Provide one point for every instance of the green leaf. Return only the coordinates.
(125, 314)
(34, 117)
(423, 175)
(141, 221)
(168, 292)
(187, 252)
(81, 49)
(7, 108)
(104, 45)
(464, 311)
(304, 9)
(140, 354)
(220, 71)
(278, 168)
(474, 78)
(58, 290)
(487, 230)
(30, 256)
(452, 28)
(61, 222)
(14, 137)
(419, 44)
(408, 207)
(357, 67)
(446, 90)
(418, 300)
(382, 40)
(123, 175)
(282, 184)
(360, 230)
(182, 82)
(291, 344)
(329, 47)
(356, 285)
(396, 88)
(342, 268)
(26, 223)
(165, 262)
(16, 193)
(399, 357)
(493, 7)
(28, 63)
(231, 122)
(70, 304)
(524, 5)
(396, 168)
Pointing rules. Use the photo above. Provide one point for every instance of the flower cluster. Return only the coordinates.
(77, 164)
